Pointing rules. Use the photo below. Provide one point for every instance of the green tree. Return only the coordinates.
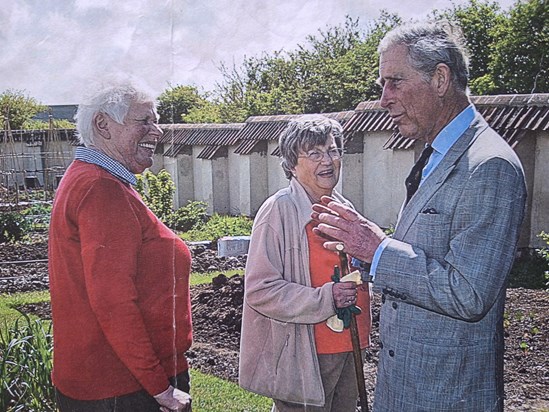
(521, 54)
(336, 68)
(206, 112)
(56, 124)
(176, 103)
(17, 108)
(480, 23)
(333, 71)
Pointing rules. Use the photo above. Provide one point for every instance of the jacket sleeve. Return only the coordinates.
(275, 271)
(477, 243)
(110, 234)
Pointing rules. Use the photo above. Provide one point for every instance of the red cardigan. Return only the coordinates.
(119, 282)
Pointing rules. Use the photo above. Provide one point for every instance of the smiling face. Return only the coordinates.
(133, 142)
(410, 98)
(318, 178)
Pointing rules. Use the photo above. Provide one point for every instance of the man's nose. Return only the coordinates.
(386, 97)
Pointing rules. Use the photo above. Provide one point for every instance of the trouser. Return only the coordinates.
(339, 380)
(137, 401)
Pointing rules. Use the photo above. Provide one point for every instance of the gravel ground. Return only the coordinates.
(217, 313)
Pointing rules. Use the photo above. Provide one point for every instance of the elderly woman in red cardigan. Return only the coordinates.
(119, 278)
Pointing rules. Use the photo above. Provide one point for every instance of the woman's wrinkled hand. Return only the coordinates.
(344, 294)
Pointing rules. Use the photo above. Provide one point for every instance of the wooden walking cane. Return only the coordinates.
(355, 339)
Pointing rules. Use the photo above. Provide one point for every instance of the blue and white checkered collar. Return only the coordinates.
(112, 166)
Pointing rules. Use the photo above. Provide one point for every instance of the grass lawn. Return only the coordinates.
(8, 302)
(217, 395)
(200, 278)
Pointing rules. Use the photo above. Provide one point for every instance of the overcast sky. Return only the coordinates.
(52, 49)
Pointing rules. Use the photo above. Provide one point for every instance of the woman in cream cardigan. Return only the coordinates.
(287, 351)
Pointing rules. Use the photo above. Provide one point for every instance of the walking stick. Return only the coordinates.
(355, 339)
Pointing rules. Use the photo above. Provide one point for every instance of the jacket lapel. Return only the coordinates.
(434, 181)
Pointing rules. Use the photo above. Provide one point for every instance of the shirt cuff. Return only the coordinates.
(377, 256)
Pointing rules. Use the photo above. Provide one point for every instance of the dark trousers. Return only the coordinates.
(339, 379)
(134, 402)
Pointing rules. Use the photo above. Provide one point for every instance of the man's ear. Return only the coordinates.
(442, 79)
(101, 125)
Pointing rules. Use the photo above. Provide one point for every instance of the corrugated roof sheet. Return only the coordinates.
(209, 134)
(510, 115)
(246, 146)
(209, 152)
(269, 128)
(173, 150)
(202, 134)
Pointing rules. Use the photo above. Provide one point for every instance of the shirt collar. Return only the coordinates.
(112, 166)
(453, 130)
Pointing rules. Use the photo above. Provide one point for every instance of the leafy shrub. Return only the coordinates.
(157, 192)
(38, 215)
(528, 272)
(218, 226)
(189, 216)
(13, 227)
(544, 254)
(25, 366)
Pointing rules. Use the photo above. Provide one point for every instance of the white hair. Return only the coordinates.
(112, 98)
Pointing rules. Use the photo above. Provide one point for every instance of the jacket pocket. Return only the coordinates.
(431, 233)
(280, 338)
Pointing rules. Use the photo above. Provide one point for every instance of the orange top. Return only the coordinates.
(322, 262)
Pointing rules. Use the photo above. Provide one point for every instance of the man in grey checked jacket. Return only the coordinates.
(444, 271)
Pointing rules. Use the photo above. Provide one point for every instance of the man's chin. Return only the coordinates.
(141, 167)
(408, 134)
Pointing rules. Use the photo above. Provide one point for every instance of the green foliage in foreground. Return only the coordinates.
(218, 226)
(25, 366)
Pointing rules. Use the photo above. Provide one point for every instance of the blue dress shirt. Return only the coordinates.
(441, 145)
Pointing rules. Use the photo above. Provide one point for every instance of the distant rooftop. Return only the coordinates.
(58, 112)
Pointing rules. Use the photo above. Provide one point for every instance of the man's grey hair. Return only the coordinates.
(429, 44)
(304, 133)
(113, 99)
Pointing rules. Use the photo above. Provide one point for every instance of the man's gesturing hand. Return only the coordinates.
(343, 225)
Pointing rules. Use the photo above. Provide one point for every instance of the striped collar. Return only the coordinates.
(112, 166)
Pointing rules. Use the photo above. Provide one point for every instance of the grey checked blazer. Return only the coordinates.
(443, 279)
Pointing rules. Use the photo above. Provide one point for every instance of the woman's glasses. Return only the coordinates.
(318, 155)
